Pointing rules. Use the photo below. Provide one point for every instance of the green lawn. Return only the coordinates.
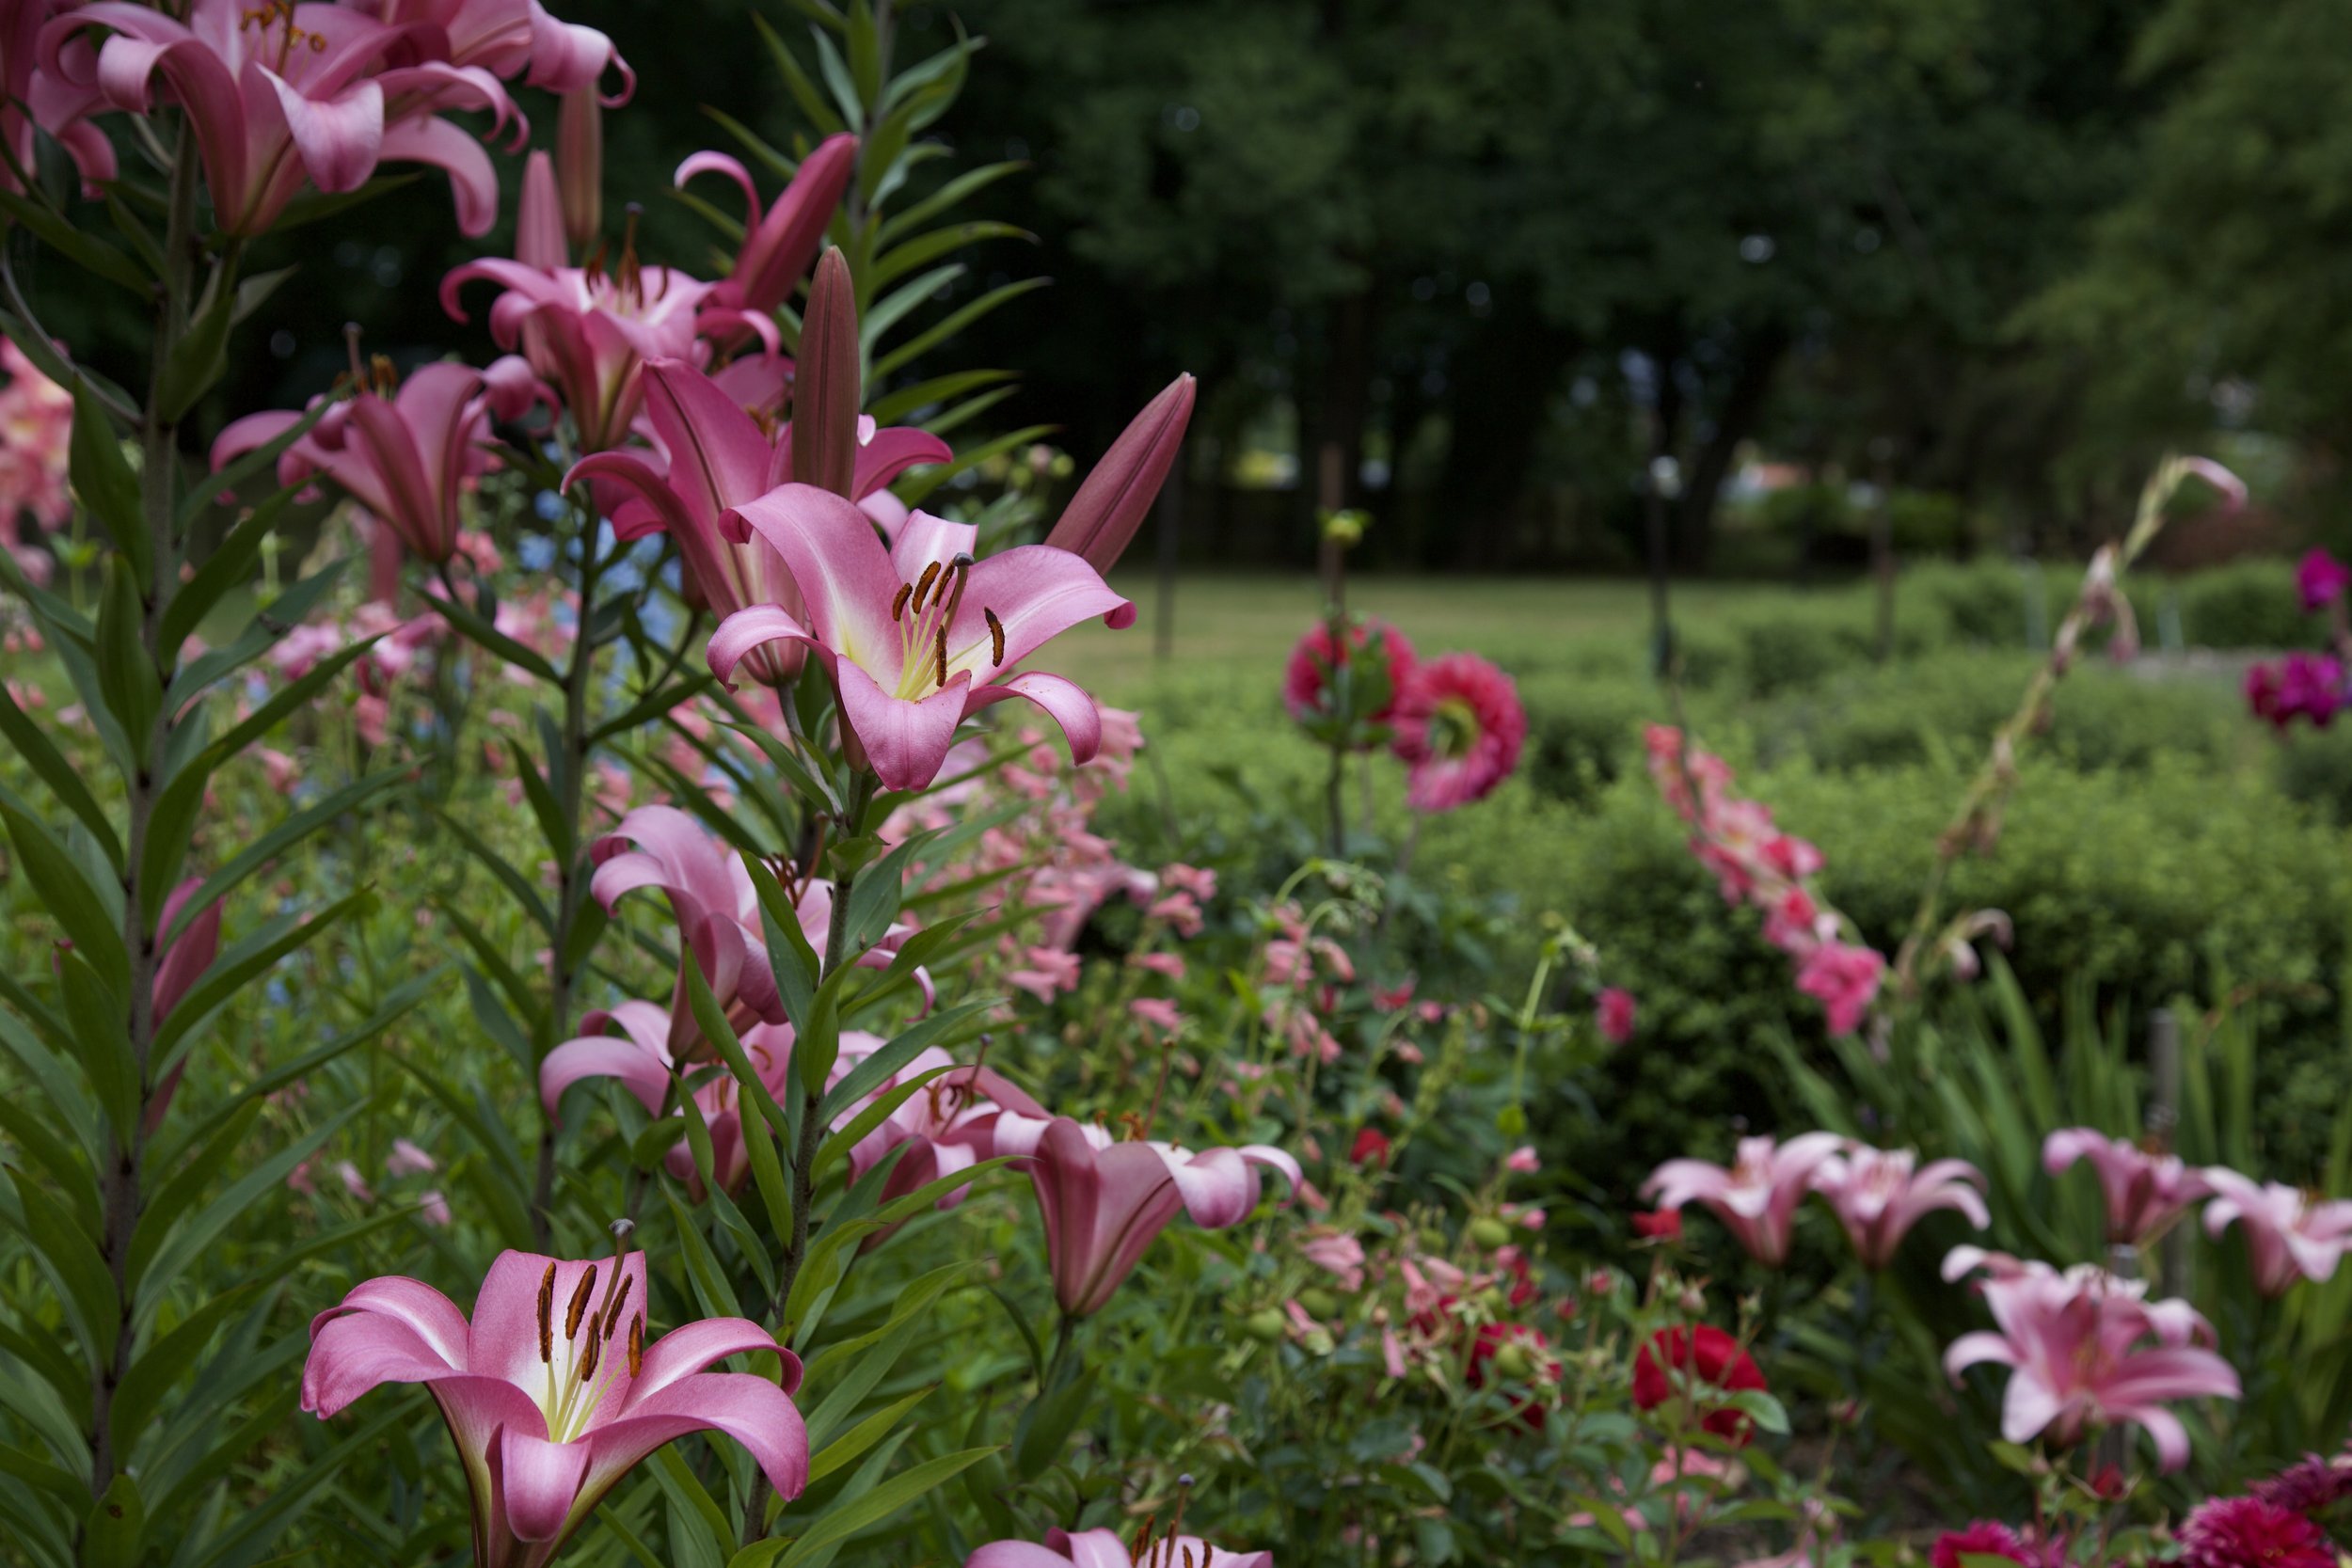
(1249, 621)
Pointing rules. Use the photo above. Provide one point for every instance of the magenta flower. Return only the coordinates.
(1102, 1549)
(1758, 1196)
(2074, 1344)
(1613, 1014)
(1879, 1195)
(711, 457)
(1845, 979)
(2145, 1193)
(591, 334)
(1314, 662)
(1983, 1538)
(780, 242)
(2300, 686)
(408, 456)
(2247, 1532)
(282, 94)
(2321, 580)
(508, 37)
(2288, 1235)
(718, 917)
(1103, 1201)
(912, 637)
(551, 1393)
(1459, 727)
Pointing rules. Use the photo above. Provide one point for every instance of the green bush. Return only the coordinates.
(2246, 604)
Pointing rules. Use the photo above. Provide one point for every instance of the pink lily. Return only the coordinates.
(53, 102)
(590, 334)
(1104, 1202)
(1103, 1548)
(2289, 1235)
(711, 456)
(1756, 1197)
(550, 1392)
(718, 916)
(780, 242)
(2145, 1193)
(282, 93)
(2074, 1344)
(408, 456)
(1878, 1197)
(910, 635)
(506, 37)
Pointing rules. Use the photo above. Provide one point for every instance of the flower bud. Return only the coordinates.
(825, 391)
(1512, 1360)
(539, 220)
(1489, 1232)
(1109, 506)
(580, 165)
(1319, 1303)
(1265, 1326)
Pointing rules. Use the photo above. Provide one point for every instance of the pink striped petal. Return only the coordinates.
(539, 1481)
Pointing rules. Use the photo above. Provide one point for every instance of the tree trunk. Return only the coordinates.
(1499, 394)
(1710, 466)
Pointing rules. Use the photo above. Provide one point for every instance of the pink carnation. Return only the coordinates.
(1983, 1538)
(2246, 1532)
(1459, 727)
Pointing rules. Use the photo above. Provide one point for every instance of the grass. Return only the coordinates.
(1249, 621)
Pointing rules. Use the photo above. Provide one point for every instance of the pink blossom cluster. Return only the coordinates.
(2289, 1235)
(2309, 686)
(1757, 864)
(408, 1161)
(36, 425)
(1877, 1195)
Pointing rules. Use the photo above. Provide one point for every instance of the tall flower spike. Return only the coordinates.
(1109, 506)
(825, 387)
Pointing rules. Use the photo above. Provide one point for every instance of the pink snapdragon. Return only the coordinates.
(2145, 1193)
(1878, 1196)
(1756, 1197)
(2289, 1235)
(552, 1392)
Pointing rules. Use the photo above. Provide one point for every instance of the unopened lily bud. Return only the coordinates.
(580, 165)
(1489, 1232)
(539, 220)
(1103, 515)
(825, 387)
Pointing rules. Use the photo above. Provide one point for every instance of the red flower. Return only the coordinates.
(1663, 1225)
(2246, 1532)
(1709, 1357)
(1613, 1011)
(1370, 1144)
(1459, 727)
(1983, 1538)
(1306, 680)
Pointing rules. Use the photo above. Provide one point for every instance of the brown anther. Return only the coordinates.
(961, 567)
(612, 1313)
(898, 604)
(940, 652)
(923, 584)
(1133, 1121)
(547, 1315)
(579, 1308)
(636, 1344)
(589, 1357)
(995, 637)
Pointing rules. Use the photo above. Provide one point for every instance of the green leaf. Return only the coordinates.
(289, 831)
(232, 971)
(915, 347)
(102, 1031)
(235, 476)
(202, 1158)
(66, 895)
(229, 567)
(486, 636)
(790, 955)
(516, 884)
(272, 622)
(932, 478)
(77, 246)
(970, 182)
(188, 1242)
(116, 1521)
(839, 1524)
(896, 406)
(134, 693)
(85, 1290)
(862, 1437)
(154, 1374)
(105, 483)
(201, 357)
(910, 1043)
(1045, 1426)
(925, 248)
(42, 756)
(822, 115)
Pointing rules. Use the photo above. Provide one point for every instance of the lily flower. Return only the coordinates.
(710, 456)
(408, 455)
(1103, 1548)
(718, 917)
(591, 334)
(1103, 1201)
(1878, 1197)
(2145, 1193)
(508, 37)
(913, 637)
(2075, 1344)
(550, 1392)
(281, 94)
(59, 104)
(2289, 1235)
(1756, 1197)
(780, 242)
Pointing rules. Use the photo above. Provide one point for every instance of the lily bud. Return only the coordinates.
(539, 220)
(779, 246)
(580, 165)
(825, 390)
(1108, 508)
